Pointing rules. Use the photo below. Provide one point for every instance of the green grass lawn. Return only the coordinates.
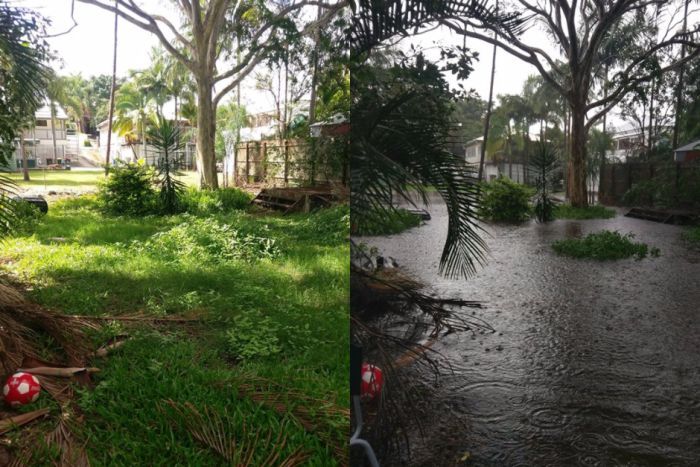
(283, 318)
(85, 180)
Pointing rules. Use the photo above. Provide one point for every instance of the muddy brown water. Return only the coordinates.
(592, 363)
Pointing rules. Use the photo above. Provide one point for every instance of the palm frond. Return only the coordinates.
(217, 433)
(375, 21)
(8, 213)
(400, 144)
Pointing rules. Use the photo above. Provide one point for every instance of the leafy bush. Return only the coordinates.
(392, 223)
(251, 338)
(692, 236)
(328, 226)
(165, 136)
(206, 240)
(128, 190)
(566, 211)
(207, 202)
(87, 143)
(604, 245)
(26, 216)
(543, 164)
(504, 200)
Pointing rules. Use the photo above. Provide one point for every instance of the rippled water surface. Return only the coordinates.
(592, 363)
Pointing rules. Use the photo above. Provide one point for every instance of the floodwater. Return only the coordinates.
(592, 363)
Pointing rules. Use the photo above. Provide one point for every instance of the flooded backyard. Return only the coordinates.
(592, 363)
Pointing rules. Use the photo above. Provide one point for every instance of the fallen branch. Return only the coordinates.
(55, 371)
(13, 422)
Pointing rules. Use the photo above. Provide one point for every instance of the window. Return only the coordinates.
(42, 123)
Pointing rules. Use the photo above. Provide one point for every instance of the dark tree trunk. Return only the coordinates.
(577, 159)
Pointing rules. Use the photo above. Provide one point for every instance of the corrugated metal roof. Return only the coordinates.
(690, 146)
(44, 113)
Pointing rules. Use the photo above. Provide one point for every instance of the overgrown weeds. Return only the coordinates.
(604, 245)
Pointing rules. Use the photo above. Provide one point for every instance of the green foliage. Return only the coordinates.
(27, 216)
(87, 143)
(604, 245)
(692, 236)
(302, 293)
(543, 164)
(23, 71)
(203, 202)
(206, 240)
(596, 211)
(165, 137)
(400, 144)
(504, 200)
(253, 337)
(229, 119)
(128, 190)
(395, 222)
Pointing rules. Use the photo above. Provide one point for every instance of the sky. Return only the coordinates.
(87, 49)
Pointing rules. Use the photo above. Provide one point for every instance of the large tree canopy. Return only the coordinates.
(221, 42)
(581, 30)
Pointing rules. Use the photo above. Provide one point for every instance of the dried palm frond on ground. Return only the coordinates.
(217, 433)
(396, 323)
(313, 414)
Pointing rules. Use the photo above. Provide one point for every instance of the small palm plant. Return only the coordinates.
(165, 136)
(543, 165)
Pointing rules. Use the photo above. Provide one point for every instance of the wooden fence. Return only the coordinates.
(278, 163)
(677, 183)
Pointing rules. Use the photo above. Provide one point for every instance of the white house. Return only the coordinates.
(492, 169)
(130, 151)
(38, 141)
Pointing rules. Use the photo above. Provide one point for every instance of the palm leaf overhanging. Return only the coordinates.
(23, 76)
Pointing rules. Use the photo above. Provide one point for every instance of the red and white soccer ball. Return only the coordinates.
(21, 389)
(372, 381)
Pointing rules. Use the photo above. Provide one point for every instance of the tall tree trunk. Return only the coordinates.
(52, 105)
(206, 128)
(577, 159)
(23, 154)
(654, 89)
(487, 120)
(314, 73)
(111, 92)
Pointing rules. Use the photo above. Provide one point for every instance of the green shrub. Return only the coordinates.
(328, 226)
(392, 223)
(692, 236)
(166, 138)
(251, 338)
(128, 190)
(206, 240)
(87, 143)
(566, 211)
(206, 202)
(504, 200)
(604, 245)
(26, 216)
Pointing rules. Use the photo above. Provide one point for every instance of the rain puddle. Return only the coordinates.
(592, 363)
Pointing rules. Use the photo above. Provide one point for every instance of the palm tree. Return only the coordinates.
(133, 112)
(23, 75)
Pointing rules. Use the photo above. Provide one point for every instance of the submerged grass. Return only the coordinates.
(692, 236)
(280, 285)
(566, 211)
(395, 222)
(604, 245)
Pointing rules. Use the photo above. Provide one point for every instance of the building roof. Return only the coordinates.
(44, 113)
(695, 145)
